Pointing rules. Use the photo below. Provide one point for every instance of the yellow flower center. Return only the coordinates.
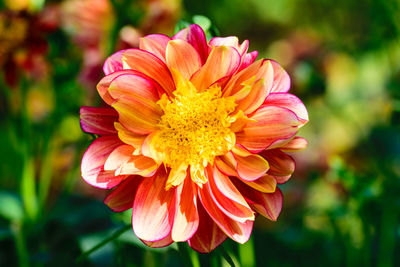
(194, 130)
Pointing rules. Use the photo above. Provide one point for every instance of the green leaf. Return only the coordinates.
(11, 207)
(203, 22)
(181, 25)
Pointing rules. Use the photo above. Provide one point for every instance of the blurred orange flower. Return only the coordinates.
(194, 138)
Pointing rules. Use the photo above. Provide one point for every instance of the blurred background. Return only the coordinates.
(342, 205)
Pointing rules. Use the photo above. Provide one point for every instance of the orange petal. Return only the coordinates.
(221, 62)
(235, 84)
(138, 115)
(93, 160)
(186, 218)
(226, 164)
(241, 120)
(259, 90)
(273, 123)
(121, 198)
(240, 232)
(139, 165)
(298, 143)
(265, 184)
(128, 137)
(251, 167)
(290, 102)
(228, 198)
(208, 235)
(153, 209)
(98, 120)
(181, 56)
(155, 44)
(148, 148)
(150, 65)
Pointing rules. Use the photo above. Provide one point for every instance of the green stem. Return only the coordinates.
(45, 173)
(28, 190)
(28, 183)
(115, 235)
(184, 253)
(246, 254)
(19, 239)
(194, 258)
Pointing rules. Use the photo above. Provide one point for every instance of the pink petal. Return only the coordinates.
(113, 63)
(251, 167)
(227, 197)
(208, 235)
(186, 220)
(195, 36)
(272, 124)
(281, 79)
(155, 44)
(166, 241)
(298, 143)
(281, 164)
(121, 198)
(93, 160)
(181, 56)
(98, 120)
(151, 65)
(133, 85)
(247, 60)
(153, 209)
(102, 86)
(290, 102)
(222, 61)
(240, 232)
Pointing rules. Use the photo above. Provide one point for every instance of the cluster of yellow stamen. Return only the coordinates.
(194, 129)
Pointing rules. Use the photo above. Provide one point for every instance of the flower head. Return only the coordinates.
(193, 138)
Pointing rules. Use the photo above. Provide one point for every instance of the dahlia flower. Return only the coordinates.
(193, 138)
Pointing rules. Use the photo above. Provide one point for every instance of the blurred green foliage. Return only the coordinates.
(342, 206)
